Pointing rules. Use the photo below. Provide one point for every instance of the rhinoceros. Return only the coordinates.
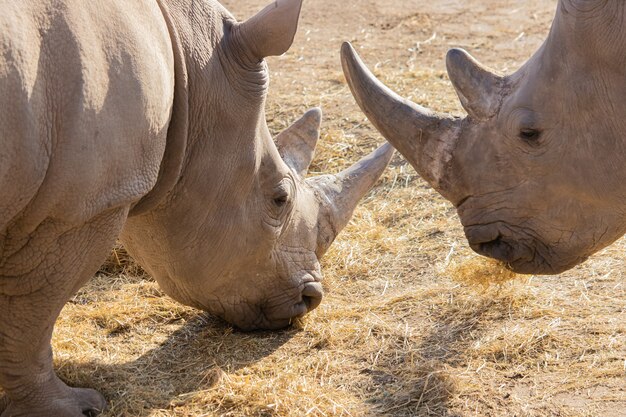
(535, 169)
(145, 120)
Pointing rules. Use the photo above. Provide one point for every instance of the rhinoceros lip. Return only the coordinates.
(490, 242)
(310, 297)
(498, 249)
(281, 316)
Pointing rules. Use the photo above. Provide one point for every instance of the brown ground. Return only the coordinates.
(395, 336)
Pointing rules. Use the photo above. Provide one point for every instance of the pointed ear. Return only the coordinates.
(271, 31)
(296, 144)
(479, 89)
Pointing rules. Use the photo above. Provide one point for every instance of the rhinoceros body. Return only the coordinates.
(536, 168)
(145, 120)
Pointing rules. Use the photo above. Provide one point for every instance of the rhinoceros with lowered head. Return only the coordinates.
(536, 169)
(145, 120)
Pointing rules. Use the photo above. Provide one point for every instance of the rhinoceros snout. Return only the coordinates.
(297, 303)
(515, 252)
(312, 295)
(498, 249)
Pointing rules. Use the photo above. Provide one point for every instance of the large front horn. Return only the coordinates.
(343, 191)
(424, 138)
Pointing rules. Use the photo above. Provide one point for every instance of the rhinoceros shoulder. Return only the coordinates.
(88, 88)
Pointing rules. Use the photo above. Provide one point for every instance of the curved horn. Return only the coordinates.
(344, 190)
(478, 88)
(296, 144)
(424, 138)
(271, 31)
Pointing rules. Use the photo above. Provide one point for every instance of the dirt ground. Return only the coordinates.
(395, 335)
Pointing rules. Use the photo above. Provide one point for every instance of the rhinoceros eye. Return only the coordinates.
(530, 135)
(281, 200)
(282, 194)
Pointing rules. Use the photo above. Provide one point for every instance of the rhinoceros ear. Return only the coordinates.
(296, 144)
(479, 89)
(271, 31)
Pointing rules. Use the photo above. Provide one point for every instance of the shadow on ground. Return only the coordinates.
(415, 378)
(193, 358)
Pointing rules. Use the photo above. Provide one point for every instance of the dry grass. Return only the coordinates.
(372, 348)
(396, 336)
(400, 332)
(481, 271)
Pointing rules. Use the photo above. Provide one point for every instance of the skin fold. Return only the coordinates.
(145, 121)
(535, 170)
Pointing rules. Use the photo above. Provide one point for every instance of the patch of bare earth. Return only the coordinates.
(395, 335)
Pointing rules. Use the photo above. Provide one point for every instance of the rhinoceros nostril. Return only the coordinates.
(312, 295)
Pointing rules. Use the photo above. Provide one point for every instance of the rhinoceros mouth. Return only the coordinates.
(310, 294)
(497, 249)
(520, 249)
(518, 253)
(514, 255)
(280, 312)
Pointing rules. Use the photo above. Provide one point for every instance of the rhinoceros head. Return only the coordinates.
(242, 231)
(536, 169)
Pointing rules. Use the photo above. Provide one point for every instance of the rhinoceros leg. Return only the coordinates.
(39, 272)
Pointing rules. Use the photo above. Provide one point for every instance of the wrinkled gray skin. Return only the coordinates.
(146, 118)
(536, 169)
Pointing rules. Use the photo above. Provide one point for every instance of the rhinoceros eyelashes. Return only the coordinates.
(529, 135)
(271, 31)
(281, 200)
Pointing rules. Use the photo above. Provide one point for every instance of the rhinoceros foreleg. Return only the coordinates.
(39, 272)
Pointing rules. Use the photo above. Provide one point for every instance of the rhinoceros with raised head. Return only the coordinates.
(145, 120)
(536, 169)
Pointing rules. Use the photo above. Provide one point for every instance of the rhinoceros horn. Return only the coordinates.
(344, 190)
(296, 144)
(271, 31)
(424, 137)
(478, 88)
